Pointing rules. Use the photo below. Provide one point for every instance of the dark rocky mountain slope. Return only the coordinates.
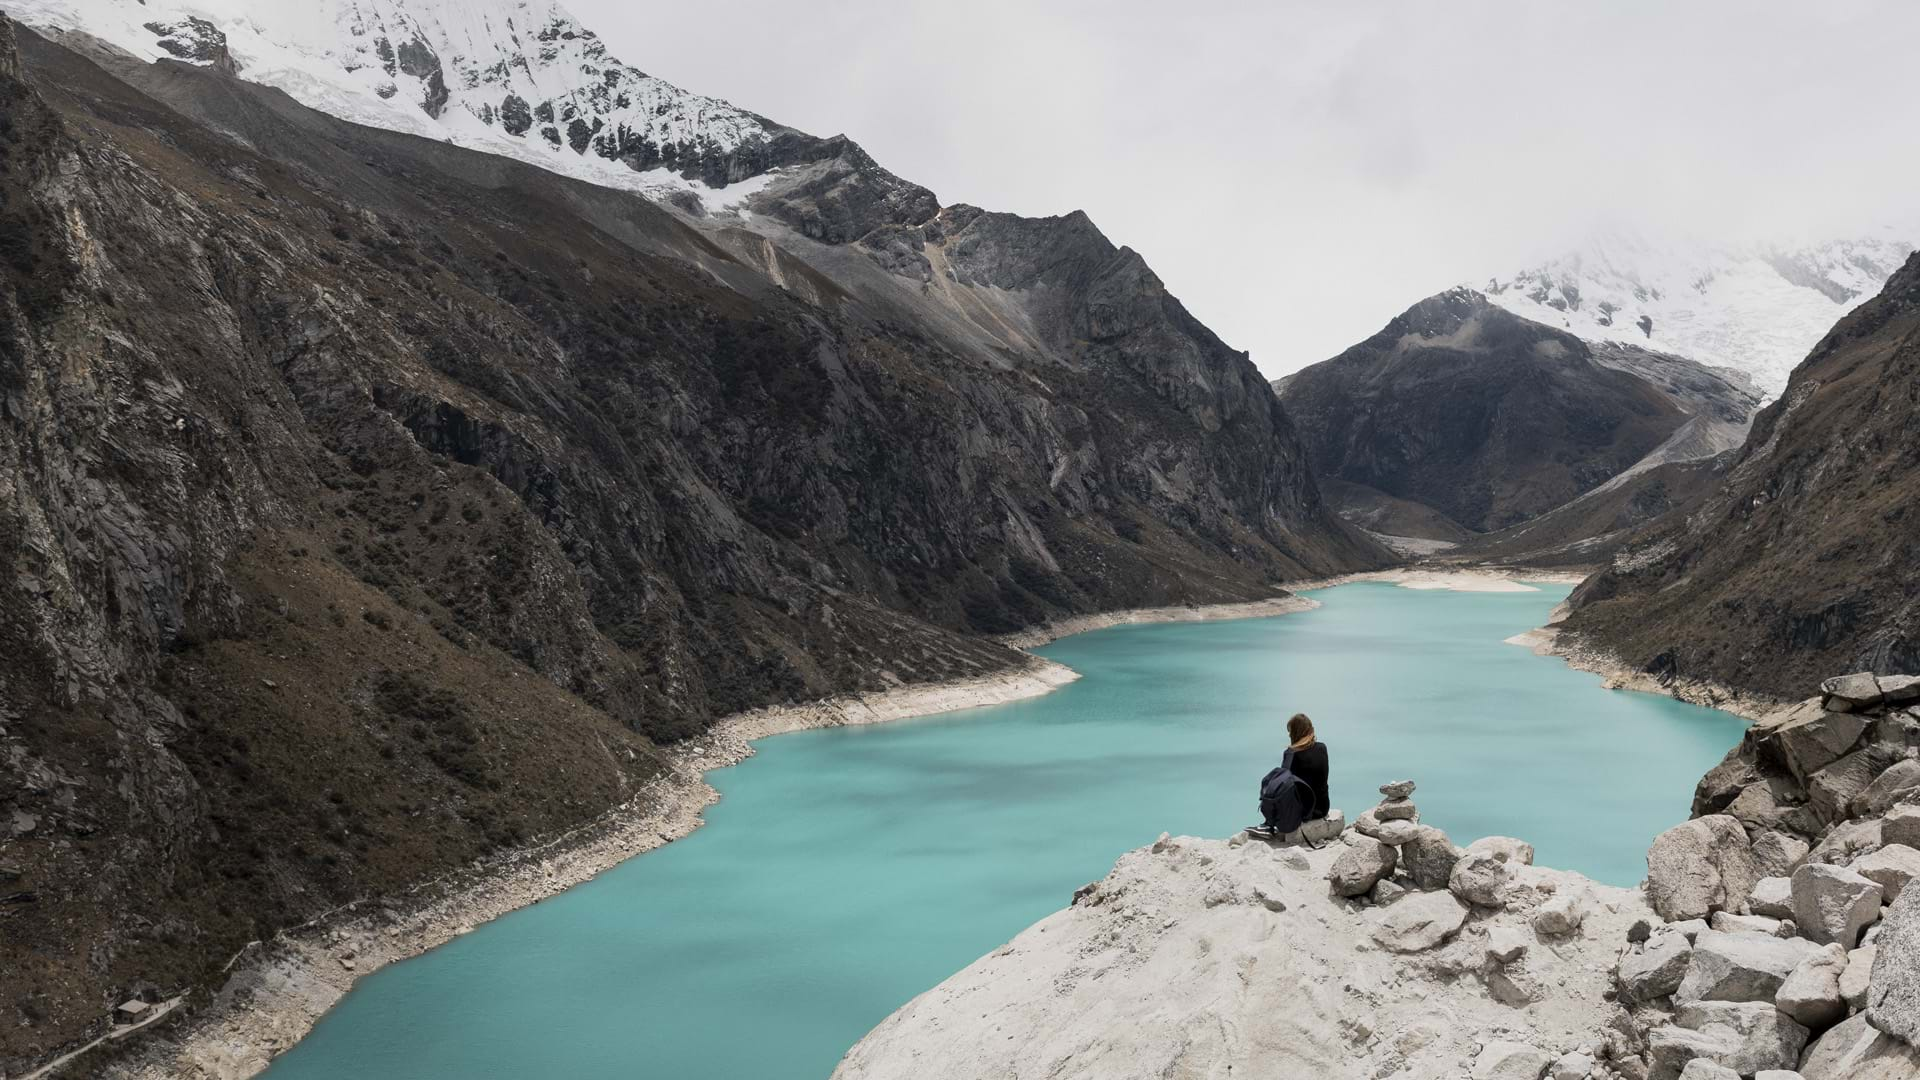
(1489, 419)
(1807, 559)
(369, 504)
(1587, 530)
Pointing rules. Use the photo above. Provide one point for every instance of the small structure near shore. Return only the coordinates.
(131, 1011)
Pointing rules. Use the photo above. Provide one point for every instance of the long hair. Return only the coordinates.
(1300, 731)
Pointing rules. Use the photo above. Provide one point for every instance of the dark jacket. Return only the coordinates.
(1310, 765)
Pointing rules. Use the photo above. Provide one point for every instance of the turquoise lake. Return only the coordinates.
(847, 870)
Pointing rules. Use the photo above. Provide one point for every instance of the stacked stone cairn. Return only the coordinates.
(1790, 946)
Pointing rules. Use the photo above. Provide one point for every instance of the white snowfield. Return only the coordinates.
(373, 62)
(1758, 308)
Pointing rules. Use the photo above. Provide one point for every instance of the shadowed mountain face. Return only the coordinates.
(1805, 561)
(1490, 420)
(370, 504)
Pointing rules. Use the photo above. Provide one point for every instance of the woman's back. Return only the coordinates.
(1310, 765)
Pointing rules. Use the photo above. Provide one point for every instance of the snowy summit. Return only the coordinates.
(519, 78)
(1757, 309)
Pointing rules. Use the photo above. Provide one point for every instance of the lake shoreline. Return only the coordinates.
(278, 990)
(1616, 674)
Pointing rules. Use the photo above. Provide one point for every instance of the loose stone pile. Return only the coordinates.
(1790, 939)
(1782, 947)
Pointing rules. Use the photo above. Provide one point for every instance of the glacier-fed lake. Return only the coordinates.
(846, 870)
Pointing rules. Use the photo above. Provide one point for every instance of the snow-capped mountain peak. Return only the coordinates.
(520, 78)
(1756, 308)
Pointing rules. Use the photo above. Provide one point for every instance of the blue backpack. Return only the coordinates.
(1284, 797)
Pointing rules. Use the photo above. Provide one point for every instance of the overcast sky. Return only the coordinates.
(1299, 173)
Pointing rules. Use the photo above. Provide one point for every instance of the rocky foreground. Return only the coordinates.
(1774, 938)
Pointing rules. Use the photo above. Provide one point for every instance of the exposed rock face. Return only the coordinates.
(1491, 419)
(1804, 562)
(371, 504)
(1143, 977)
(1893, 990)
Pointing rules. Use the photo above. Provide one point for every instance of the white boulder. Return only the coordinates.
(1833, 904)
(1671, 1047)
(1502, 1060)
(1892, 866)
(1561, 915)
(1699, 867)
(1772, 897)
(1480, 878)
(1762, 1036)
(1778, 854)
(1744, 924)
(1654, 970)
(1811, 995)
(1504, 848)
(1573, 1065)
(1901, 826)
(1364, 862)
(1853, 981)
(1740, 967)
(1419, 922)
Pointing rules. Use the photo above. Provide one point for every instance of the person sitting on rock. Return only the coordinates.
(1296, 792)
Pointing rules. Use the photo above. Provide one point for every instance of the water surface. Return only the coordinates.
(845, 871)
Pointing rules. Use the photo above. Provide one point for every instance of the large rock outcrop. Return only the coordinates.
(369, 505)
(1212, 957)
(1805, 969)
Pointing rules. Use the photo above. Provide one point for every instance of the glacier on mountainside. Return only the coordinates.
(518, 78)
(1755, 308)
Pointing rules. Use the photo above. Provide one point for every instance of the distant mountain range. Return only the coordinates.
(1460, 417)
(1754, 308)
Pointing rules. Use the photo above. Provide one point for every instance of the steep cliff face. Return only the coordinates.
(1467, 409)
(1805, 560)
(369, 504)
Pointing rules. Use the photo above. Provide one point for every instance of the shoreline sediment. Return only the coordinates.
(280, 988)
